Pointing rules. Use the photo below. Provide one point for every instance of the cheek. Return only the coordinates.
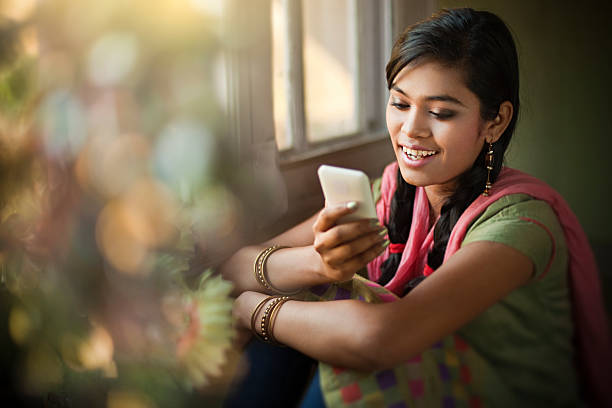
(461, 141)
(470, 151)
(394, 122)
(464, 134)
(472, 129)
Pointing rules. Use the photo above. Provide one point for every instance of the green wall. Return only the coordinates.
(564, 134)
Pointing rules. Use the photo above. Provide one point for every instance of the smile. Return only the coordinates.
(417, 154)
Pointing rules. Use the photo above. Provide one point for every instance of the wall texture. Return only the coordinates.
(564, 134)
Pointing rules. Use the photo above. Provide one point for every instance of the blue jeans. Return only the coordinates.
(276, 377)
(314, 396)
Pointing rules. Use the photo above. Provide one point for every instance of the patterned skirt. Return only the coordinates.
(441, 376)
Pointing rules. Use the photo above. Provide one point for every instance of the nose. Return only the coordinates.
(415, 125)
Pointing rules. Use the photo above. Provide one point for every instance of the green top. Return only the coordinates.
(517, 353)
(524, 342)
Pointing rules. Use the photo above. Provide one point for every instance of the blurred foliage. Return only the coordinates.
(113, 174)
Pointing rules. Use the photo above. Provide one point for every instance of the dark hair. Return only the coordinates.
(480, 45)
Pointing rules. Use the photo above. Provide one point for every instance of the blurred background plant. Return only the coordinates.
(113, 175)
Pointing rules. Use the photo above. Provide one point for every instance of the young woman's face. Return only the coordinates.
(435, 124)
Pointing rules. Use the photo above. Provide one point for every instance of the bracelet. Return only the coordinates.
(255, 313)
(272, 319)
(259, 270)
(265, 319)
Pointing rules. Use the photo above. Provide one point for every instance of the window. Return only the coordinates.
(328, 73)
(305, 83)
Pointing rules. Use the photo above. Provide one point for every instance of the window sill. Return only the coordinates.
(290, 157)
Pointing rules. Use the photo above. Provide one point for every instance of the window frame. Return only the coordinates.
(247, 33)
(373, 36)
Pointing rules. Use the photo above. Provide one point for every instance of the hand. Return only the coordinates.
(346, 248)
(244, 305)
(243, 337)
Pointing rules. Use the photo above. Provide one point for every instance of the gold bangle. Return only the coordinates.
(260, 265)
(256, 266)
(255, 313)
(265, 319)
(259, 269)
(272, 319)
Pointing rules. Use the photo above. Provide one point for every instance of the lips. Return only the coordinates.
(417, 154)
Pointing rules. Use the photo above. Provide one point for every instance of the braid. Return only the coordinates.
(399, 224)
(470, 185)
(480, 45)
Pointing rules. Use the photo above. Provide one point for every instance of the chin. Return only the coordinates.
(417, 179)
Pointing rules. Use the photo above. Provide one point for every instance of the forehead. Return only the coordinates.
(432, 78)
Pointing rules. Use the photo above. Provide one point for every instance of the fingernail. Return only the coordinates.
(375, 223)
(351, 205)
(383, 232)
(386, 243)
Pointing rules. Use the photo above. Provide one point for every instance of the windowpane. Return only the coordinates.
(279, 68)
(330, 68)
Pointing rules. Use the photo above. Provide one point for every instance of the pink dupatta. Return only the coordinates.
(593, 340)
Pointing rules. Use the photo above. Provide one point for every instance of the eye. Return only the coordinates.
(443, 114)
(399, 105)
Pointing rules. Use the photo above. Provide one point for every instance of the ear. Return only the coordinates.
(495, 128)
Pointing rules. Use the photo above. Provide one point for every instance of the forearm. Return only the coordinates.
(335, 254)
(287, 269)
(331, 332)
(365, 336)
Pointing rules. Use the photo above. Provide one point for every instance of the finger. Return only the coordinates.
(345, 233)
(364, 258)
(329, 216)
(373, 252)
(343, 253)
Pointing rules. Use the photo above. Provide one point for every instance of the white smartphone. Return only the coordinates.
(341, 185)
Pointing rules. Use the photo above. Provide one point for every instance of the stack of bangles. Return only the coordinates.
(271, 311)
(259, 269)
(268, 318)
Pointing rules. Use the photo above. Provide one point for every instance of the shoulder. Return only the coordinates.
(518, 205)
(524, 223)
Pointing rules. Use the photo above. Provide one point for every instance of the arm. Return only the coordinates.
(365, 336)
(322, 251)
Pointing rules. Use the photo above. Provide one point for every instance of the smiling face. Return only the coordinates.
(435, 125)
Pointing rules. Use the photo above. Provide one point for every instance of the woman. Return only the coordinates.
(473, 258)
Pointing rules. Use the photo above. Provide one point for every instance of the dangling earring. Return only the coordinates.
(489, 166)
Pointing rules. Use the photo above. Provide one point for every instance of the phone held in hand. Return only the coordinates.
(341, 185)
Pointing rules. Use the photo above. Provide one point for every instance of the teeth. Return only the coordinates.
(418, 154)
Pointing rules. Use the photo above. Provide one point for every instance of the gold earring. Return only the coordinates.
(489, 166)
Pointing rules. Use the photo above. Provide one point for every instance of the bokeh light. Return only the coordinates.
(210, 7)
(131, 225)
(112, 58)
(111, 165)
(18, 10)
(128, 399)
(182, 156)
(20, 324)
(29, 41)
(115, 175)
(63, 124)
(97, 351)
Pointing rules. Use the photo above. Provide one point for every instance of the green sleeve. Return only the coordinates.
(376, 193)
(523, 223)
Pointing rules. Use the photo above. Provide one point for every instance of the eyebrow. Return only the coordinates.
(442, 98)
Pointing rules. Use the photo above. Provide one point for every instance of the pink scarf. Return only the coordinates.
(593, 338)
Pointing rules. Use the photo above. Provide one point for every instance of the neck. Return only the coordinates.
(437, 196)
